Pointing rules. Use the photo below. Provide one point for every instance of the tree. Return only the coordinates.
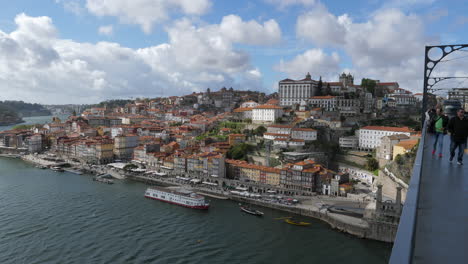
(328, 90)
(74, 113)
(129, 167)
(369, 85)
(259, 131)
(319, 87)
(372, 164)
(239, 151)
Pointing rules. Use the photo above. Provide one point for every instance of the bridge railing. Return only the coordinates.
(403, 247)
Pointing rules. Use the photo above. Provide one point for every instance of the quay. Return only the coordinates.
(343, 222)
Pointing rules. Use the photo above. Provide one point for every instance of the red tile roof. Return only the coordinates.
(386, 128)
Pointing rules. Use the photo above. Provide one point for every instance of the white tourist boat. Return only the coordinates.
(182, 198)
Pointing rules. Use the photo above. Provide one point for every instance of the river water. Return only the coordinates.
(51, 217)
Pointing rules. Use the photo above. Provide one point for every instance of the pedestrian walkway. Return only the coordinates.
(441, 230)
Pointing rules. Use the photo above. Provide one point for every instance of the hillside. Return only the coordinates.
(26, 109)
(8, 116)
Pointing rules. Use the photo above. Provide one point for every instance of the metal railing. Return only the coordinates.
(403, 246)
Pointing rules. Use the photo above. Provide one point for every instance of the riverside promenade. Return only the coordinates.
(314, 206)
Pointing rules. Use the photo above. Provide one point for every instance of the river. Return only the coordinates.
(51, 217)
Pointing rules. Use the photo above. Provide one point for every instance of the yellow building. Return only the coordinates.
(404, 147)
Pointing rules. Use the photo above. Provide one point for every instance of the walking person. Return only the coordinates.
(458, 128)
(430, 114)
(439, 124)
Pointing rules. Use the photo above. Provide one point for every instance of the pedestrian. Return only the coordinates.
(458, 128)
(430, 114)
(439, 123)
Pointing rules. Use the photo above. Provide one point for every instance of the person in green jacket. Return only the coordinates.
(440, 124)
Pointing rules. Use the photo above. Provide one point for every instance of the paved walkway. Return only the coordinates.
(442, 220)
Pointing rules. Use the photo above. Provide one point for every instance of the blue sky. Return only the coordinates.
(82, 51)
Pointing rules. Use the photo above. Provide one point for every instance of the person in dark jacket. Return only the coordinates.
(439, 123)
(458, 128)
(430, 115)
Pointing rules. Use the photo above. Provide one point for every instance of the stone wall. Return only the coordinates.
(390, 185)
(377, 231)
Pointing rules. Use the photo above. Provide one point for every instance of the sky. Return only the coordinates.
(87, 51)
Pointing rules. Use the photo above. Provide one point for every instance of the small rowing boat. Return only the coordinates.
(251, 211)
(293, 222)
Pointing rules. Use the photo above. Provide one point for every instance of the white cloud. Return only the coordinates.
(315, 61)
(285, 3)
(321, 27)
(388, 46)
(106, 30)
(146, 13)
(36, 65)
(250, 32)
(72, 6)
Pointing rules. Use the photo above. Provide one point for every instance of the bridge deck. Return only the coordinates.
(441, 233)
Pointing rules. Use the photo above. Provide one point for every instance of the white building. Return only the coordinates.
(370, 136)
(402, 97)
(294, 91)
(327, 102)
(244, 112)
(350, 142)
(279, 129)
(266, 113)
(249, 104)
(306, 134)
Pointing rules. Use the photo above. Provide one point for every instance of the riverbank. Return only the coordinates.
(312, 206)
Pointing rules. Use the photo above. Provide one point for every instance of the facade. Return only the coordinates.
(385, 150)
(34, 143)
(300, 177)
(370, 136)
(402, 97)
(295, 91)
(124, 146)
(460, 94)
(249, 104)
(350, 142)
(328, 102)
(306, 134)
(266, 113)
(279, 129)
(404, 147)
(244, 112)
(241, 170)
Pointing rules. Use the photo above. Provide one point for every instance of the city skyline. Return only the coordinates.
(88, 51)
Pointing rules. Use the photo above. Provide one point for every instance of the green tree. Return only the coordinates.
(239, 151)
(372, 164)
(369, 85)
(319, 86)
(129, 167)
(259, 131)
(328, 90)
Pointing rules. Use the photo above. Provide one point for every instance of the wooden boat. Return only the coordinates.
(293, 222)
(251, 211)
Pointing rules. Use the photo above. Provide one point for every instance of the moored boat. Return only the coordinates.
(251, 211)
(294, 222)
(103, 180)
(57, 168)
(182, 198)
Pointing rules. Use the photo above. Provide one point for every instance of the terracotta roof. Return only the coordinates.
(276, 134)
(323, 97)
(304, 129)
(385, 128)
(266, 106)
(281, 126)
(408, 144)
